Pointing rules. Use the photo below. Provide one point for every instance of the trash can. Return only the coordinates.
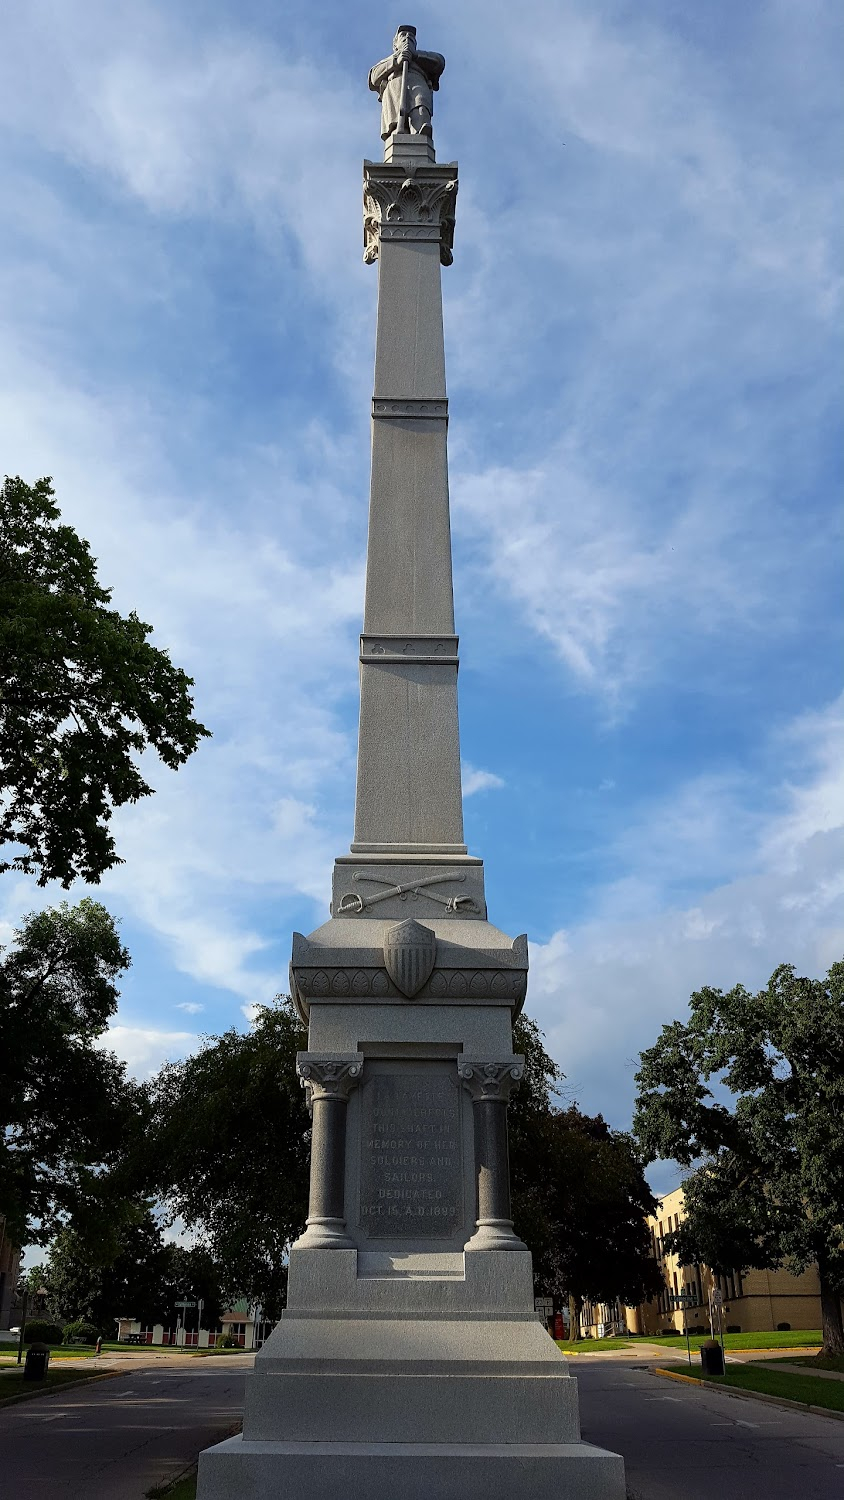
(711, 1359)
(37, 1360)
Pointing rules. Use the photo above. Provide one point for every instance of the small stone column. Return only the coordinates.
(329, 1080)
(490, 1085)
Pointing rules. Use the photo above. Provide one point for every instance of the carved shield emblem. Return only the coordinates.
(410, 951)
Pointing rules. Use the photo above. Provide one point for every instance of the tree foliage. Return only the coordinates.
(67, 1110)
(82, 694)
(137, 1275)
(230, 1149)
(768, 1184)
(580, 1198)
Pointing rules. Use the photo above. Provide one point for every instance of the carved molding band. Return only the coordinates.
(408, 201)
(445, 984)
(383, 406)
(490, 1080)
(354, 902)
(329, 1075)
(423, 649)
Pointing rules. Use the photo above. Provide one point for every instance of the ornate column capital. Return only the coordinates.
(329, 1075)
(408, 201)
(490, 1080)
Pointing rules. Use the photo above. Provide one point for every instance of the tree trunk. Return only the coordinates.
(833, 1327)
(575, 1304)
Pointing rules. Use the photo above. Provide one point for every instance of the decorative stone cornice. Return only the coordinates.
(330, 983)
(408, 201)
(490, 1080)
(328, 1075)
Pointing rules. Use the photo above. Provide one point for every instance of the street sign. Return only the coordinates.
(683, 1299)
(716, 1297)
(544, 1305)
(185, 1304)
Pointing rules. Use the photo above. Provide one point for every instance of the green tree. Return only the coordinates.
(229, 1150)
(768, 1146)
(580, 1199)
(67, 1110)
(135, 1274)
(82, 693)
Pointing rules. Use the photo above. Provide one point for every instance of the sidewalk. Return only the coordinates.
(773, 1364)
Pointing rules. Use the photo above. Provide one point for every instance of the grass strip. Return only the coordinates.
(799, 1387)
(591, 1346)
(14, 1389)
(184, 1488)
(799, 1339)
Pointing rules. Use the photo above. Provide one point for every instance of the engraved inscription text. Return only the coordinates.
(411, 1172)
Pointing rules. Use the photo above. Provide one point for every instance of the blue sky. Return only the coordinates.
(641, 327)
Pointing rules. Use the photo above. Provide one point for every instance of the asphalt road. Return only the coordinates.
(681, 1442)
(117, 1438)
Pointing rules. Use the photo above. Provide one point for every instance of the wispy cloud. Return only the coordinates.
(475, 780)
(774, 893)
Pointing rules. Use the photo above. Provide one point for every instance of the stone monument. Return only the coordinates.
(409, 1362)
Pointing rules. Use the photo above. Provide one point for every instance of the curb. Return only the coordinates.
(70, 1385)
(732, 1390)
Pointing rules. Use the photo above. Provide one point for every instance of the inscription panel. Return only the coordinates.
(411, 1170)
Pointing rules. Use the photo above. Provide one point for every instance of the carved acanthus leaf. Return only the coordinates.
(491, 1080)
(415, 206)
(329, 1076)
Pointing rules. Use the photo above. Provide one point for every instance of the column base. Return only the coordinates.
(416, 1471)
(324, 1234)
(495, 1234)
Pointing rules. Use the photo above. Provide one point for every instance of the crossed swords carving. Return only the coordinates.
(354, 902)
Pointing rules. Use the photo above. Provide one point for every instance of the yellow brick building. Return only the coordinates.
(753, 1302)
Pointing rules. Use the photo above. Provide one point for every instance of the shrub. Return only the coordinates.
(783, 1328)
(734, 1327)
(228, 1341)
(80, 1333)
(39, 1331)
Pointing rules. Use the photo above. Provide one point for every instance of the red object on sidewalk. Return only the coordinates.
(559, 1329)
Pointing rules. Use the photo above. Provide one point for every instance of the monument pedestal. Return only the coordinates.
(441, 1383)
(410, 1361)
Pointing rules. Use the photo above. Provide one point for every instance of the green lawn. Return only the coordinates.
(591, 1346)
(796, 1387)
(801, 1339)
(13, 1388)
(59, 1351)
(183, 1489)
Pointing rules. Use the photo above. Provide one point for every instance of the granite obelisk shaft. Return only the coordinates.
(408, 790)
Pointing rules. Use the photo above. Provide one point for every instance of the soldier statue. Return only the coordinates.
(405, 83)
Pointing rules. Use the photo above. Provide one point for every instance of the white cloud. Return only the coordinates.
(602, 988)
(191, 1007)
(144, 1049)
(475, 780)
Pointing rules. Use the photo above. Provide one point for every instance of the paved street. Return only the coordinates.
(115, 1439)
(681, 1442)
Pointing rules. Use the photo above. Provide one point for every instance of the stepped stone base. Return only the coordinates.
(411, 1471)
(394, 1408)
